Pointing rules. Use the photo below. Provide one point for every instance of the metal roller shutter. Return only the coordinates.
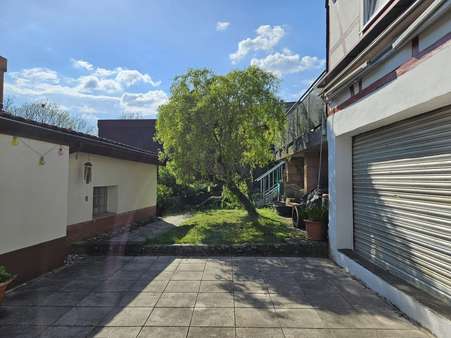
(402, 199)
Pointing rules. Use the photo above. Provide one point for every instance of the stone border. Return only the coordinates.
(301, 248)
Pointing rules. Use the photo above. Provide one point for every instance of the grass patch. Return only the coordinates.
(230, 227)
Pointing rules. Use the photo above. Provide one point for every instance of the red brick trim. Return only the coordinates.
(415, 60)
(35, 260)
(83, 230)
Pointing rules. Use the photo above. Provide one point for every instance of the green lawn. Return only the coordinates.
(230, 227)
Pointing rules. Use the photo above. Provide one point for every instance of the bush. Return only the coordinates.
(4, 275)
(174, 197)
(229, 200)
(316, 213)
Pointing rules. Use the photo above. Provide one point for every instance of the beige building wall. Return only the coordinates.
(33, 197)
(345, 26)
(133, 185)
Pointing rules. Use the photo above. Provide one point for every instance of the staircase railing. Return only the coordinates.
(269, 185)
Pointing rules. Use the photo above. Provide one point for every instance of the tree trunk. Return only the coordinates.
(244, 200)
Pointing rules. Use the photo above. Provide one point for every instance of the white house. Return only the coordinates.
(388, 90)
(59, 186)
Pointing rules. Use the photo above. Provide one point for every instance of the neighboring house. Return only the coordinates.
(138, 133)
(304, 145)
(59, 186)
(388, 91)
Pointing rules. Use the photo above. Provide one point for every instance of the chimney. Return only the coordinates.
(3, 69)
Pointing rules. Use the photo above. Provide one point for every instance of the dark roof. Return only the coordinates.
(288, 104)
(77, 142)
(138, 133)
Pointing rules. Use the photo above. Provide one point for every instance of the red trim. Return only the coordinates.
(416, 59)
(83, 230)
(35, 260)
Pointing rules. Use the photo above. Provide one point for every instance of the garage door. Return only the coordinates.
(402, 199)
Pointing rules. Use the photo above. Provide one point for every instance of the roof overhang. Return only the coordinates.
(77, 142)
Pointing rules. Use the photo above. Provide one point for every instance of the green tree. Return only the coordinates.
(219, 129)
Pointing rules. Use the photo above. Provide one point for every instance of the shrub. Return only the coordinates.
(4, 275)
(316, 213)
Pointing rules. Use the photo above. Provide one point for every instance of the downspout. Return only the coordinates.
(3, 69)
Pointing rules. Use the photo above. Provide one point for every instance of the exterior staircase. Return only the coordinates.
(269, 184)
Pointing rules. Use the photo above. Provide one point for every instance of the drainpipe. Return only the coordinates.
(3, 69)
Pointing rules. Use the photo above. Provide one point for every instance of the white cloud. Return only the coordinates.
(146, 103)
(92, 83)
(267, 37)
(129, 77)
(33, 75)
(100, 91)
(110, 80)
(82, 64)
(222, 25)
(287, 62)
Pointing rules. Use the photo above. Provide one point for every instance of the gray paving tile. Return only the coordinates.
(259, 333)
(127, 316)
(402, 334)
(302, 318)
(183, 286)
(215, 300)
(27, 297)
(254, 300)
(115, 285)
(170, 317)
(149, 286)
(249, 317)
(101, 299)
(355, 333)
(197, 267)
(21, 331)
(251, 287)
(187, 276)
(45, 315)
(115, 332)
(159, 332)
(83, 316)
(211, 332)
(308, 333)
(290, 301)
(139, 299)
(219, 317)
(64, 298)
(177, 300)
(66, 331)
(216, 286)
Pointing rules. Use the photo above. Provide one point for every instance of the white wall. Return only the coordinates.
(33, 198)
(136, 185)
(424, 88)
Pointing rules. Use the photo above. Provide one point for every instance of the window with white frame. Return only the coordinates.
(371, 7)
(100, 201)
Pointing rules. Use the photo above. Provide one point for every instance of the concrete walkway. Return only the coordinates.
(153, 229)
(215, 297)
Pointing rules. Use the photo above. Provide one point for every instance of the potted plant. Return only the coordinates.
(5, 279)
(316, 222)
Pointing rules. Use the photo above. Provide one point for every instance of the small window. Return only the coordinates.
(100, 201)
(371, 7)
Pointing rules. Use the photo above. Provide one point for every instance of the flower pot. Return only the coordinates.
(316, 230)
(3, 287)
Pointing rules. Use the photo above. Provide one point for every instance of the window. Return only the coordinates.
(371, 7)
(100, 201)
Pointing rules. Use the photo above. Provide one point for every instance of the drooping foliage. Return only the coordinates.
(219, 129)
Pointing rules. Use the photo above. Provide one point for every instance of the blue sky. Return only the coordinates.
(101, 58)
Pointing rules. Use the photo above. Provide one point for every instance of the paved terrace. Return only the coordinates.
(215, 297)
